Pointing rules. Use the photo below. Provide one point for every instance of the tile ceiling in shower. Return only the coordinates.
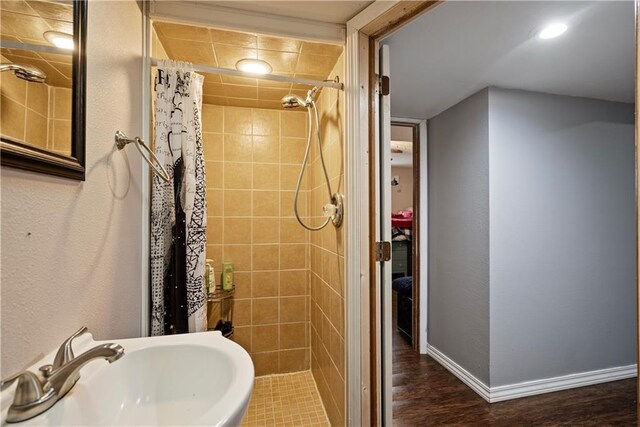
(25, 22)
(222, 48)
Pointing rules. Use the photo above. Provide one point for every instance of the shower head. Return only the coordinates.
(293, 101)
(25, 72)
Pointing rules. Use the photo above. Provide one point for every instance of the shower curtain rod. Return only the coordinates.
(272, 77)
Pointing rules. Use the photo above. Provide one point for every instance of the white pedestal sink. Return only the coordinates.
(190, 379)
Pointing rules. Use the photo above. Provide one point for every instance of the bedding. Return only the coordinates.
(403, 286)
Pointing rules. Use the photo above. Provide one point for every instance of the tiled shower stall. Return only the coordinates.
(288, 310)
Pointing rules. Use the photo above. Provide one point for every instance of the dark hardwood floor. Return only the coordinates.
(425, 393)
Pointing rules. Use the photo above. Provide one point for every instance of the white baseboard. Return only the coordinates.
(530, 388)
(463, 375)
(548, 385)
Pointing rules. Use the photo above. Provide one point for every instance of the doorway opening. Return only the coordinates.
(405, 263)
(531, 149)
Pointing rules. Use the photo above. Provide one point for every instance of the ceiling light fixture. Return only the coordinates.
(398, 147)
(254, 66)
(552, 31)
(58, 39)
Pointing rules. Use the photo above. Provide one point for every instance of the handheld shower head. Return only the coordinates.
(293, 101)
(25, 72)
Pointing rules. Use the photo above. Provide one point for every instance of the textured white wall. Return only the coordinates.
(71, 250)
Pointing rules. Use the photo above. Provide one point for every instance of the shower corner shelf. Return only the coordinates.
(220, 296)
(221, 302)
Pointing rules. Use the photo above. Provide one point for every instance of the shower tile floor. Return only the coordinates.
(286, 400)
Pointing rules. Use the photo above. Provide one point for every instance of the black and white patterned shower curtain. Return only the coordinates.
(178, 207)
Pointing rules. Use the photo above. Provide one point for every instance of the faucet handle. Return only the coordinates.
(29, 388)
(64, 354)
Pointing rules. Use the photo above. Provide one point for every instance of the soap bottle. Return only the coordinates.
(209, 277)
(227, 276)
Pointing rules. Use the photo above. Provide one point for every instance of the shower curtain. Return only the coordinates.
(178, 207)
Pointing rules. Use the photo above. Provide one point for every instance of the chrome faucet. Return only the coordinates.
(64, 354)
(64, 378)
(33, 397)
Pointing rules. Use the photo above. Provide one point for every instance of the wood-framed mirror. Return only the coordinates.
(43, 86)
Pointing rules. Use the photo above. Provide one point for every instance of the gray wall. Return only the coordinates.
(562, 235)
(532, 235)
(459, 234)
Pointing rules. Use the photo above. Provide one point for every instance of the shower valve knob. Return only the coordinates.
(329, 210)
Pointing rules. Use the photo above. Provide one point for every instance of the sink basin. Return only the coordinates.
(190, 379)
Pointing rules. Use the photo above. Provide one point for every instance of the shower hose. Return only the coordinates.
(312, 106)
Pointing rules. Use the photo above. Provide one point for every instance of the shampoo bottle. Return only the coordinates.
(227, 276)
(209, 277)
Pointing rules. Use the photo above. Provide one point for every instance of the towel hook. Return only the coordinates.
(122, 140)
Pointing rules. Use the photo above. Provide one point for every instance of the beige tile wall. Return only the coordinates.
(327, 260)
(59, 137)
(35, 113)
(157, 49)
(289, 310)
(24, 109)
(253, 157)
(26, 22)
(223, 48)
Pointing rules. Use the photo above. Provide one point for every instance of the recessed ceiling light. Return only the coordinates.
(58, 39)
(552, 31)
(254, 66)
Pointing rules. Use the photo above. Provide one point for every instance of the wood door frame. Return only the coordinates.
(637, 158)
(364, 32)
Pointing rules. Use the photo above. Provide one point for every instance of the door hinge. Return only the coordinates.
(383, 251)
(384, 85)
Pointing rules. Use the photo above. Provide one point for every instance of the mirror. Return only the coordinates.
(42, 86)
